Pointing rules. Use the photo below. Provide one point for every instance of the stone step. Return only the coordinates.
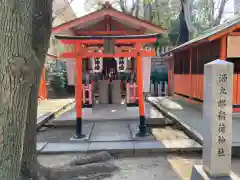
(129, 147)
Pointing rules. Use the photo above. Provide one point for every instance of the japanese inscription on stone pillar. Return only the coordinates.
(217, 114)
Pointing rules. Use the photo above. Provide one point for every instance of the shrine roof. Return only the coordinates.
(91, 20)
(145, 36)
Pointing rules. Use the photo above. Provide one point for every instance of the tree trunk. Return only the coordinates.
(184, 32)
(42, 27)
(122, 6)
(220, 13)
(210, 5)
(137, 8)
(187, 10)
(22, 57)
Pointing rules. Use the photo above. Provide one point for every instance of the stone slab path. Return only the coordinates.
(129, 147)
(111, 112)
(114, 135)
(190, 115)
(118, 131)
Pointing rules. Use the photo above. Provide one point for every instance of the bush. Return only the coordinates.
(59, 82)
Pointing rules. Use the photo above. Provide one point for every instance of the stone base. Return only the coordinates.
(83, 137)
(87, 105)
(132, 104)
(199, 174)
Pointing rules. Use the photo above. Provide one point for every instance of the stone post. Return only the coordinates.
(217, 117)
(159, 89)
(165, 88)
(152, 89)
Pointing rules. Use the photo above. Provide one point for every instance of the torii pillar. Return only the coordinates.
(42, 92)
(78, 92)
(142, 124)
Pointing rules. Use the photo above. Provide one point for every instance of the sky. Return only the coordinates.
(79, 7)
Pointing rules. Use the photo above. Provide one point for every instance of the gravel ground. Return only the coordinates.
(155, 167)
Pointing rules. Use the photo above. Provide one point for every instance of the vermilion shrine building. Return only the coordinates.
(186, 62)
(100, 46)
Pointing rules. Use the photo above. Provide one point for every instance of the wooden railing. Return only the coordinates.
(194, 87)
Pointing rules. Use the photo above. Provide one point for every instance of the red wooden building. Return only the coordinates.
(109, 35)
(186, 62)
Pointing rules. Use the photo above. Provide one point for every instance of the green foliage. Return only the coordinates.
(164, 15)
(59, 82)
(59, 79)
(206, 15)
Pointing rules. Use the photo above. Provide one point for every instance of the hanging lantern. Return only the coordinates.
(97, 64)
(121, 64)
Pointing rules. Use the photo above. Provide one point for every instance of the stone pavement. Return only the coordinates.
(190, 116)
(112, 112)
(122, 147)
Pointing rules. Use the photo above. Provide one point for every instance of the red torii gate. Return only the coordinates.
(82, 52)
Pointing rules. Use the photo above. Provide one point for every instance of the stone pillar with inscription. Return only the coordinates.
(217, 117)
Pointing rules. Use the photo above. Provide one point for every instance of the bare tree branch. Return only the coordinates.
(133, 6)
(220, 12)
(137, 8)
(187, 15)
(60, 11)
(122, 5)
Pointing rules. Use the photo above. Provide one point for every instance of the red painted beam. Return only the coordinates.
(235, 34)
(119, 32)
(223, 48)
(102, 55)
(117, 41)
(123, 48)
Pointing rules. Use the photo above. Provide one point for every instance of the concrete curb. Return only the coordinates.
(130, 147)
(50, 115)
(64, 107)
(192, 133)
